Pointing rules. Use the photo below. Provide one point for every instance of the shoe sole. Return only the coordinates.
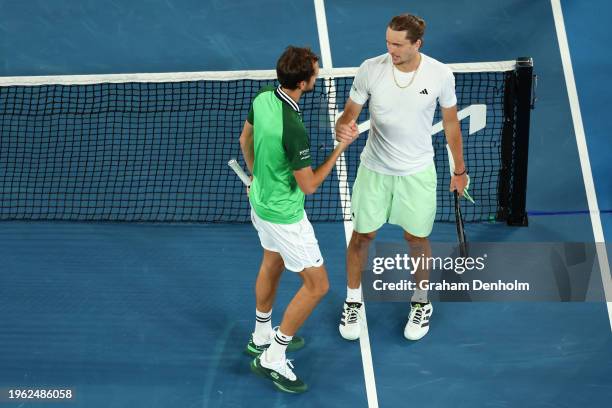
(418, 338)
(261, 373)
(409, 339)
(252, 352)
(348, 338)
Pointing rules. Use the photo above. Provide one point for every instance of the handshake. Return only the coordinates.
(346, 132)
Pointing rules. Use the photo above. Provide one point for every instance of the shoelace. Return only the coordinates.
(418, 314)
(352, 313)
(286, 370)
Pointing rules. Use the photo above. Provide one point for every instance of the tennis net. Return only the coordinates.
(154, 147)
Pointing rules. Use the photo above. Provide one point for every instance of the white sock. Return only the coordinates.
(353, 295)
(263, 327)
(419, 295)
(276, 351)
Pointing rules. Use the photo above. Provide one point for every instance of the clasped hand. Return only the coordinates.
(347, 133)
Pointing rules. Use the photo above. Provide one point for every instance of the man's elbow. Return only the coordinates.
(451, 123)
(308, 187)
(243, 140)
(452, 129)
(308, 190)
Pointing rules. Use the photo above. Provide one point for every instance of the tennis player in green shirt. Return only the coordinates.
(276, 149)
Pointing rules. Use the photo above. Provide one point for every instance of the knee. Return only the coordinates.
(411, 238)
(274, 265)
(319, 288)
(362, 240)
(414, 241)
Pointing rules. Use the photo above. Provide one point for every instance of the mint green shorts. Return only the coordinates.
(407, 201)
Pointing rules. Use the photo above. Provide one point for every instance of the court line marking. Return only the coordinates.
(583, 153)
(364, 338)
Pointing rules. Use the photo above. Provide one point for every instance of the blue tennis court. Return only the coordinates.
(143, 314)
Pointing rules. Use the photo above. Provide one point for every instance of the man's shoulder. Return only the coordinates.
(291, 116)
(436, 66)
(377, 62)
(293, 125)
(264, 89)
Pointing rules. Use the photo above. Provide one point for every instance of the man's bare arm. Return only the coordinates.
(246, 145)
(452, 130)
(346, 126)
(309, 180)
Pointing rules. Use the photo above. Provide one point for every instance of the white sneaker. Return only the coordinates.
(418, 320)
(283, 367)
(280, 372)
(350, 324)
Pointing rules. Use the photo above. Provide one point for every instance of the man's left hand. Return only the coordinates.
(458, 183)
(248, 188)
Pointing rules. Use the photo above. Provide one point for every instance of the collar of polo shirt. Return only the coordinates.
(286, 98)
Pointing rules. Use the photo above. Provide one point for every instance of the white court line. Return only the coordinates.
(583, 153)
(364, 339)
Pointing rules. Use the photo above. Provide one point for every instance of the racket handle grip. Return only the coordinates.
(239, 172)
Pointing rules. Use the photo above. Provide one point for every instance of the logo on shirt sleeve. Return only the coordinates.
(304, 154)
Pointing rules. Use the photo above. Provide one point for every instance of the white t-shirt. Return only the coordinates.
(401, 120)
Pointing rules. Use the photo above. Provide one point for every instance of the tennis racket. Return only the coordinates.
(460, 231)
(463, 250)
(239, 172)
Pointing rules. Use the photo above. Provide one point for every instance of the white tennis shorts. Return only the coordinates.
(296, 243)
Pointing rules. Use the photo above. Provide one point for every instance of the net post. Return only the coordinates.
(524, 79)
(507, 146)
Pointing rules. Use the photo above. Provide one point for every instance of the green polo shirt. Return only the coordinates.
(281, 146)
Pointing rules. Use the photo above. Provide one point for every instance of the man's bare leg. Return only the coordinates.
(356, 258)
(270, 271)
(315, 285)
(420, 308)
(419, 248)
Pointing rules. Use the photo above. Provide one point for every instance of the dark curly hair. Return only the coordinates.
(295, 65)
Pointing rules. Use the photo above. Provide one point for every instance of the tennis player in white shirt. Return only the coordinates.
(396, 180)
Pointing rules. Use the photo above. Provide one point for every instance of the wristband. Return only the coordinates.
(462, 173)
